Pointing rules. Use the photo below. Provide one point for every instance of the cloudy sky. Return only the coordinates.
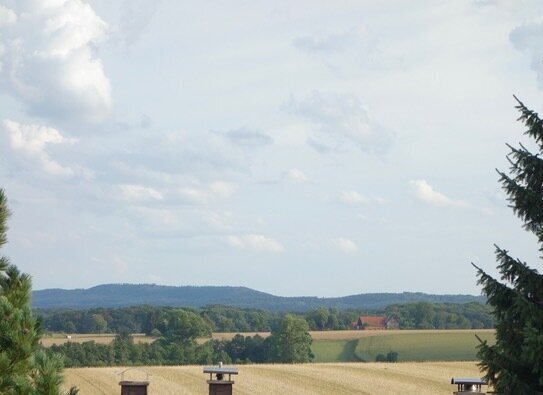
(298, 148)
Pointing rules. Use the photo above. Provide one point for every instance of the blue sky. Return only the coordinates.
(298, 148)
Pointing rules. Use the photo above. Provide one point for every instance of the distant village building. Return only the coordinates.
(376, 322)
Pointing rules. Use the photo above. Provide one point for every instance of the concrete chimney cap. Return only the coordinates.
(467, 381)
(220, 370)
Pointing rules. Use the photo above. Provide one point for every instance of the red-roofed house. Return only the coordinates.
(376, 322)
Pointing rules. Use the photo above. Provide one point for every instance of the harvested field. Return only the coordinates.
(48, 341)
(341, 378)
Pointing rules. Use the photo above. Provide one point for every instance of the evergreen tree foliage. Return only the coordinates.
(514, 365)
(24, 368)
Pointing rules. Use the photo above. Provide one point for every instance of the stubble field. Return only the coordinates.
(322, 378)
(58, 339)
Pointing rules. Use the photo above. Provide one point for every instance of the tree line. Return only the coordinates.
(423, 315)
(290, 342)
(150, 319)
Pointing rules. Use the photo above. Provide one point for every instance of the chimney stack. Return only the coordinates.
(218, 385)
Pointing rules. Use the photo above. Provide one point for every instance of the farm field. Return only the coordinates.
(338, 378)
(411, 345)
(335, 350)
(351, 346)
(104, 338)
(48, 341)
(418, 346)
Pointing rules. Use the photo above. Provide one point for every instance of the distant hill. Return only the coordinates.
(123, 295)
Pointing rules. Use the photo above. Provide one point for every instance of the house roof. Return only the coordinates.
(373, 321)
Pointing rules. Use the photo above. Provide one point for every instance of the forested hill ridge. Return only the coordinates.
(123, 295)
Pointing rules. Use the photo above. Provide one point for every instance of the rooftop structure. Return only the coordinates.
(468, 386)
(218, 384)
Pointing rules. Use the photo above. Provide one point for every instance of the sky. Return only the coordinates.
(298, 148)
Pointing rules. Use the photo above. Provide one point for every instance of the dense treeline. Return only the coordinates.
(151, 319)
(424, 315)
(290, 342)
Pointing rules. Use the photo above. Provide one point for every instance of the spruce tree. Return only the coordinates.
(514, 364)
(25, 369)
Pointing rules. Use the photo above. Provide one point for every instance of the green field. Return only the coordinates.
(432, 345)
(335, 350)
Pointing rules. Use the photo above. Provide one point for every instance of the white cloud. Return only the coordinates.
(255, 242)
(7, 16)
(353, 197)
(29, 142)
(296, 175)
(48, 60)
(173, 189)
(338, 121)
(203, 194)
(527, 38)
(177, 221)
(139, 192)
(218, 220)
(427, 194)
(345, 245)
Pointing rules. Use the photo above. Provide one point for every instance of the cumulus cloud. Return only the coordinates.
(139, 192)
(28, 144)
(47, 59)
(176, 190)
(7, 16)
(177, 221)
(295, 175)
(527, 38)
(427, 194)
(339, 121)
(353, 197)
(202, 194)
(345, 245)
(255, 243)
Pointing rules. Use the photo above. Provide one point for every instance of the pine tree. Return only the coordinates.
(24, 368)
(514, 364)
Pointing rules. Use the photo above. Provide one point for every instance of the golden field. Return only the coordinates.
(107, 338)
(420, 378)
(48, 341)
